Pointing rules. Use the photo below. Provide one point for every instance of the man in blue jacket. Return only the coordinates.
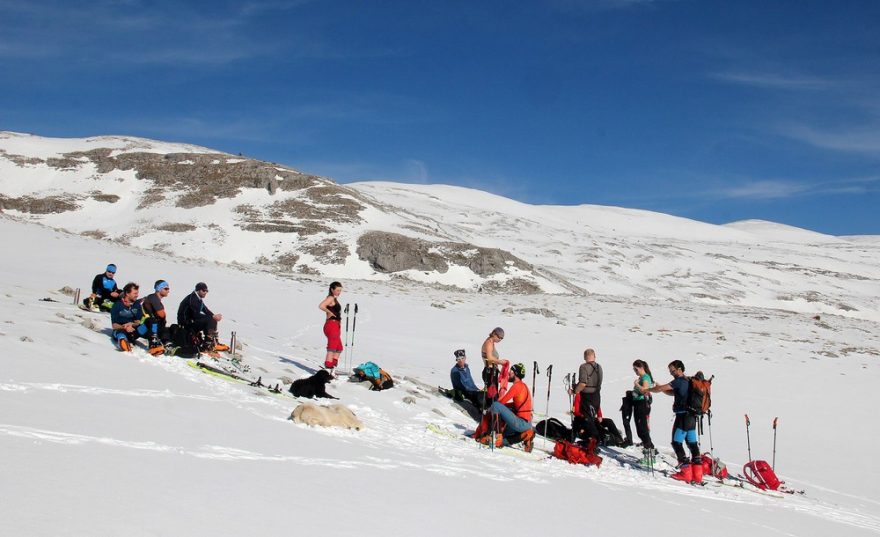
(105, 293)
(463, 383)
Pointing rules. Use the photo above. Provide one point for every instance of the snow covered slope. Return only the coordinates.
(97, 442)
(206, 205)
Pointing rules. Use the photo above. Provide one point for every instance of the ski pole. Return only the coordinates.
(76, 297)
(346, 338)
(534, 374)
(568, 381)
(773, 466)
(748, 440)
(549, 384)
(232, 343)
(354, 321)
(711, 445)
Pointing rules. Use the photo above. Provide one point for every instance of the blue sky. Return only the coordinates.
(713, 110)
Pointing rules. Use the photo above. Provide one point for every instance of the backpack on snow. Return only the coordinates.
(184, 342)
(378, 377)
(699, 399)
(714, 467)
(761, 474)
(575, 454)
(553, 428)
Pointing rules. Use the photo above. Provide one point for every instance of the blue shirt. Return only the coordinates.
(121, 314)
(680, 388)
(462, 380)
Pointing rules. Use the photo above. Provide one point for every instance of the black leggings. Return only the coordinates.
(642, 412)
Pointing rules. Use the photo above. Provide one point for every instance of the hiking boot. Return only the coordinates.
(156, 346)
(685, 473)
(487, 440)
(124, 345)
(697, 472)
(528, 440)
(626, 443)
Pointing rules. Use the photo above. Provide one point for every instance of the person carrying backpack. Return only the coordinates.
(589, 392)
(684, 429)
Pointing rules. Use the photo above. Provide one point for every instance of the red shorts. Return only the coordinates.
(332, 330)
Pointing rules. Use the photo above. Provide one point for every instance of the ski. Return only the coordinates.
(513, 451)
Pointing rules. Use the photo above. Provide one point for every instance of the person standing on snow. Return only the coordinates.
(332, 325)
(105, 293)
(589, 387)
(684, 429)
(492, 362)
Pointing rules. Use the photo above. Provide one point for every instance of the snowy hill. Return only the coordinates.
(97, 442)
(201, 204)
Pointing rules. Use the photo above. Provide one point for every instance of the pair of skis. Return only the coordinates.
(349, 347)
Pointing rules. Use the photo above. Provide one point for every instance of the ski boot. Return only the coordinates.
(486, 440)
(124, 345)
(528, 440)
(697, 471)
(685, 473)
(213, 344)
(649, 457)
(156, 347)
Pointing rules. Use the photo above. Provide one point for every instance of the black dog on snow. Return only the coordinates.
(313, 386)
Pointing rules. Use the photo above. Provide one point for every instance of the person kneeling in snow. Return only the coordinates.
(515, 410)
(126, 318)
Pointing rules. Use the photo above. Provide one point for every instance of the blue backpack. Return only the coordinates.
(378, 377)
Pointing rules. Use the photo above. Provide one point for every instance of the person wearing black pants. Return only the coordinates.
(626, 412)
(589, 387)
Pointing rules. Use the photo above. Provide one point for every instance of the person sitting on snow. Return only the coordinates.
(105, 293)
(126, 318)
(514, 408)
(463, 383)
(194, 315)
(154, 307)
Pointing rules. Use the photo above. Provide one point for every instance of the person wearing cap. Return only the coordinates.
(194, 315)
(462, 381)
(492, 361)
(514, 408)
(104, 291)
(153, 307)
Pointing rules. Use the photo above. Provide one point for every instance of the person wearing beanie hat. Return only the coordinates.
(105, 293)
(195, 316)
(463, 383)
(492, 361)
(514, 408)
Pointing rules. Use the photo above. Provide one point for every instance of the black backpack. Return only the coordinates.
(553, 428)
(184, 342)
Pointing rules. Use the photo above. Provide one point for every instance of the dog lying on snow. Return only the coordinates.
(314, 386)
(336, 415)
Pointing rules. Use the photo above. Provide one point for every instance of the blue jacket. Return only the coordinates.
(462, 380)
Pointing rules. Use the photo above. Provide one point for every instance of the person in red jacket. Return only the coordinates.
(514, 408)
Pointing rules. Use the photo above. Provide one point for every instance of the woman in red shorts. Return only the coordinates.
(333, 325)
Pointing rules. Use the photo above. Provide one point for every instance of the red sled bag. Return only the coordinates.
(714, 467)
(760, 474)
(576, 454)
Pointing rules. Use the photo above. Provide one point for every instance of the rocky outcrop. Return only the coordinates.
(391, 252)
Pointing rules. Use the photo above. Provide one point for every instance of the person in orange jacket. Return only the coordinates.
(514, 408)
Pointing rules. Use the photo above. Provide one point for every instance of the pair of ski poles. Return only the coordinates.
(349, 348)
(749, 440)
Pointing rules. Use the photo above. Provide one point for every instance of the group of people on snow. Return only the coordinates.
(506, 403)
(505, 400)
(133, 318)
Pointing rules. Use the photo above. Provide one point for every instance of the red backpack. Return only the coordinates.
(761, 474)
(576, 454)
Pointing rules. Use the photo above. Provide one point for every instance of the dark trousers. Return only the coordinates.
(589, 410)
(642, 411)
(626, 412)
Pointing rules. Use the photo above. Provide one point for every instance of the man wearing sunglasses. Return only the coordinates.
(195, 316)
(463, 382)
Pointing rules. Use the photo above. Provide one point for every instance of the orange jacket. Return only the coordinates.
(519, 398)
